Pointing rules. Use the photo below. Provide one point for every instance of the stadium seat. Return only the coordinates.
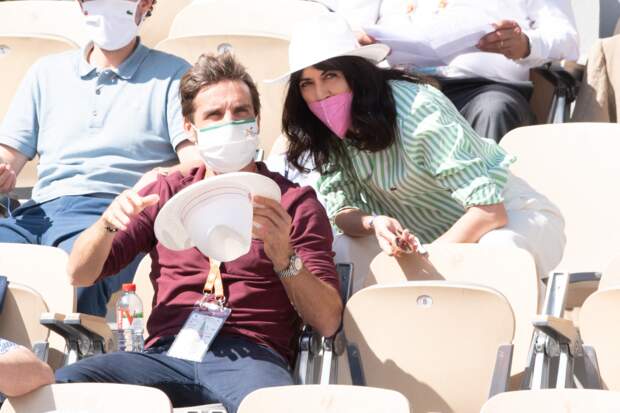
(19, 319)
(599, 318)
(43, 17)
(435, 342)
(324, 399)
(359, 251)
(91, 398)
(154, 29)
(265, 57)
(511, 271)
(266, 17)
(575, 166)
(554, 401)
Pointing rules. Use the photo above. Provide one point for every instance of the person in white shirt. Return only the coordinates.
(490, 87)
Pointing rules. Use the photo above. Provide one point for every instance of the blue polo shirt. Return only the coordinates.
(96, 131)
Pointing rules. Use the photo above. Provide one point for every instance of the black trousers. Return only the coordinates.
(491, 108)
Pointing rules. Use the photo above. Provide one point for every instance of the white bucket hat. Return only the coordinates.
(214, 215)
(324, 37)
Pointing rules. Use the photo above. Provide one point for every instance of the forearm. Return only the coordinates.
(89, 254)
(21, 372)
(13, 157)
(354, 222)
(477, 221)
(317, 302)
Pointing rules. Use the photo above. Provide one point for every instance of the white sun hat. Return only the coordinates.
(324, 37)
(214, 215)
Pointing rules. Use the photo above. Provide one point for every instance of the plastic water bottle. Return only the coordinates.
(129, 320)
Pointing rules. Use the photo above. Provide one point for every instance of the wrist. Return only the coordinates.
(281, 263)
(107, 227)
(369, 222)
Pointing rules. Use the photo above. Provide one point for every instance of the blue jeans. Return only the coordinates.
(232, 368)
(58, 223)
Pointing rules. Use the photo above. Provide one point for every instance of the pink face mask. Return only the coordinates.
(334, 112)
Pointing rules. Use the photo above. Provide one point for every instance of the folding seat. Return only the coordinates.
(91, 398)
(155, 28)
(43, 17)
(324, 399)
(433, 341)
(554, 401)
(264, 56)
(266, 17)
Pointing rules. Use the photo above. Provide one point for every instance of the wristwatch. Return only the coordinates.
(295, 264)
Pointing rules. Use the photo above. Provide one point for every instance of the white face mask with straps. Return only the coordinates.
(111, 24)
(228, 147)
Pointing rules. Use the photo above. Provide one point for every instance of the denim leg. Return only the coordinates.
(236, 366)
(173, 376)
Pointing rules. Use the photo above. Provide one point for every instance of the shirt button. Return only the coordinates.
(98, 92)
(94, 113)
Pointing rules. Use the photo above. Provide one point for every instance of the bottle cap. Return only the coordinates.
(129, 287)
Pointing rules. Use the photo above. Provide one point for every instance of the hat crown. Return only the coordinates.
(319, 39)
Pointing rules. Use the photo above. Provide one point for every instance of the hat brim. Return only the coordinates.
(169, 228)
(374, 52)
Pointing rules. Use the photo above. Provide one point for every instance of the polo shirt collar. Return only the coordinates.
(125, 71)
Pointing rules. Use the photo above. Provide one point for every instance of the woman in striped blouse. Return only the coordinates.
(394, 153)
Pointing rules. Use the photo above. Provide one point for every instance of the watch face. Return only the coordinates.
(298, 264)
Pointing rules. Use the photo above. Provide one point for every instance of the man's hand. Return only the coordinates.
(272, 225)
(125, 207)
(8, 178)
(508, 39)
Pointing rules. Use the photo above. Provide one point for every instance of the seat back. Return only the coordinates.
(358, 251)
(553, 400)
(587, 19)
(43, 17)
(324, 399)
(599, 319)
(511, 271)
(91, 398)
(433, 341)
(18, 53)
(264, 57)
(575, 166)
(154, 29)
(268, 17)
(19, 319)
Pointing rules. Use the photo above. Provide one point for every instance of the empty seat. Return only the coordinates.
(264, 57)
(268, 17)
(324, 399)
(19, 319)
(554, 401)
(154, 29)
(91, 398)
(43, 17)
(435, 342)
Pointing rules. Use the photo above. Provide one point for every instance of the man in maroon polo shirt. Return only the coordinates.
(287, 277)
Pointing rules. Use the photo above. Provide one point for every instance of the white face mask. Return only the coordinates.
(111, 24)
(228, 147)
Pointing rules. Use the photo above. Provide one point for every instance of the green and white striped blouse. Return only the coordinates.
(436, 169)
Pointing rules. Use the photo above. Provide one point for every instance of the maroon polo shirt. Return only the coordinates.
(261, 309)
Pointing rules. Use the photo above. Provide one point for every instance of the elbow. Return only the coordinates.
(331, 323)
(77, 276)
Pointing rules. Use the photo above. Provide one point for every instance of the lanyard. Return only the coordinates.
(214, 284)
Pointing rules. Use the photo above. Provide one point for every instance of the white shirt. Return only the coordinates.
(549, 25)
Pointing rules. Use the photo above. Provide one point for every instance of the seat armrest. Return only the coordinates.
(560, 329)
(94, 328)
(501, 372)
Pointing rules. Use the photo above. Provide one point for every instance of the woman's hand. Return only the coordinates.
(508, 39)
(393, 239)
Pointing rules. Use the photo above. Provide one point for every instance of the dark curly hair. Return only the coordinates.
(373, 125)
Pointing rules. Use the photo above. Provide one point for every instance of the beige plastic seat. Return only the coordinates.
(576, 167)
(359, 251)
(554, 401)
(324, 399)
(19, 319)
(264, 57)
(433, 341)
(91, 398)
(155, 28)
(599, 319)
(267, 17)
(43, 17)
(511, 271)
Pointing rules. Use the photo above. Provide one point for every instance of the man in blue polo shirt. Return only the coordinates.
(98, 119)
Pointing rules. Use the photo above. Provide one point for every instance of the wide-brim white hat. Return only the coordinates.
(214, 215)
(324, 37)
